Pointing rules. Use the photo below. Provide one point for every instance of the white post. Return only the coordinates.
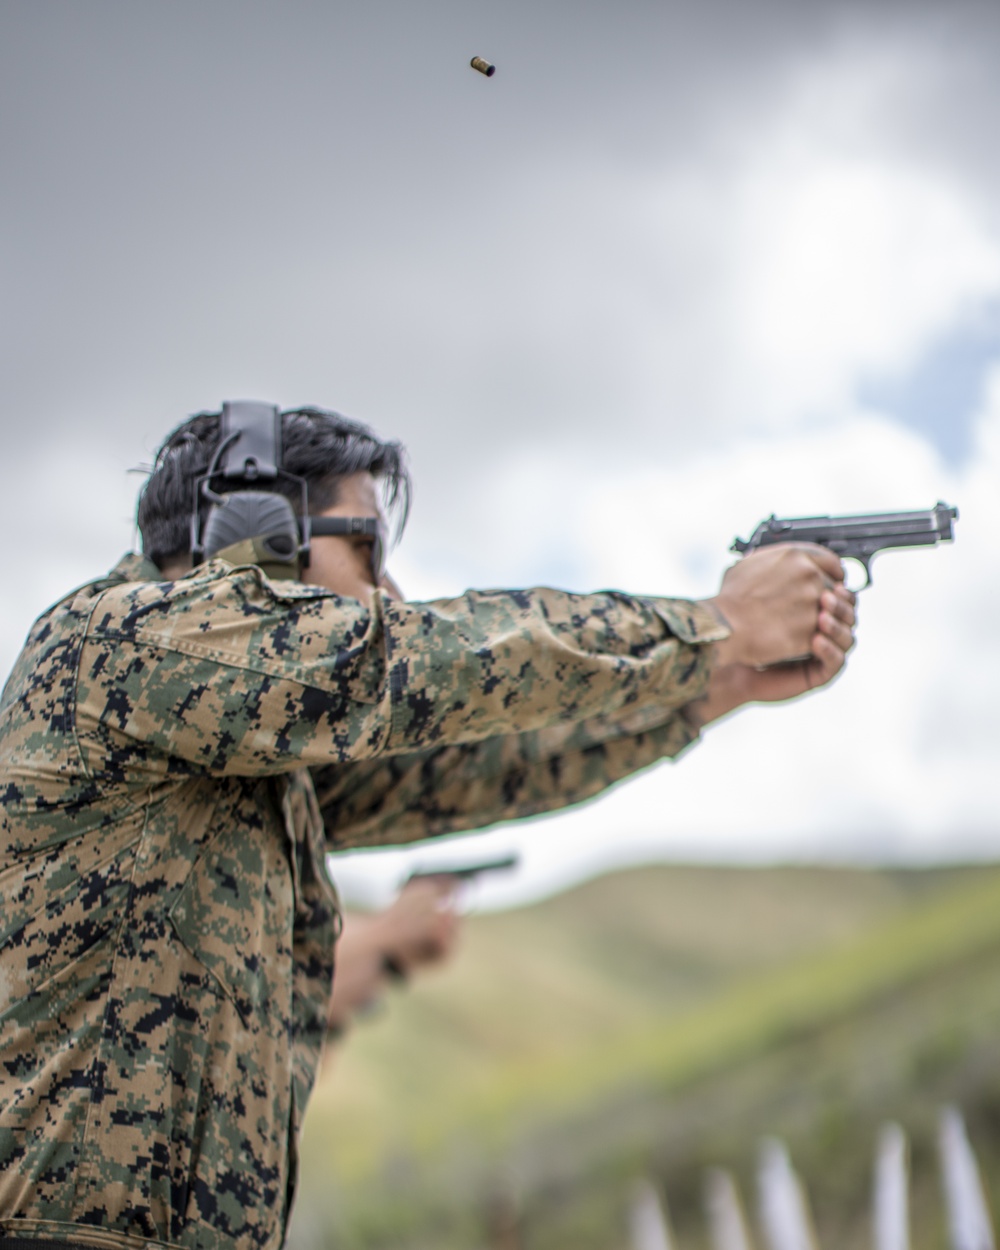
(648, 1225)
(726, 1223)
(968, 1217)
(891, 1201)
(784, 1212)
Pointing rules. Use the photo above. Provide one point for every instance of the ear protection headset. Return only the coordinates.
(248, 526)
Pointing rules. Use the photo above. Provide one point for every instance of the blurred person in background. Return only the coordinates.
(376, 950)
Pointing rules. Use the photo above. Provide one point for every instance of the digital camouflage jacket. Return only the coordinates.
(166, 921)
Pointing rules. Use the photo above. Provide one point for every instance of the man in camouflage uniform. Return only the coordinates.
(179, 749)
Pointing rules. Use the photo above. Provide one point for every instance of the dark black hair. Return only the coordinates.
(322, 447)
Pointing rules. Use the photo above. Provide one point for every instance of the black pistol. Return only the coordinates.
(856, 537)
(465, 871)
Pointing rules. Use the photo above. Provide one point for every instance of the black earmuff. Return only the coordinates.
(248, 526)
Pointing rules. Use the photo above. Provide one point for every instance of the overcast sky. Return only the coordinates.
(671, 268)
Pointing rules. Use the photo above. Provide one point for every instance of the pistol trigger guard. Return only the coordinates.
(866, 563)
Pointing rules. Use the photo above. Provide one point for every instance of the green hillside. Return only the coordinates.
(658, 1021)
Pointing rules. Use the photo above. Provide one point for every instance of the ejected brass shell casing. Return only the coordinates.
(484, 67)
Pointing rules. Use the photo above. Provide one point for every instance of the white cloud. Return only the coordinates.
(851, 268)
(803, 251)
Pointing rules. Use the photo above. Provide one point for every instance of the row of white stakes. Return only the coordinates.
(783, 1208)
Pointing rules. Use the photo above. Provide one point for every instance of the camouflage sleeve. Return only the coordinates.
(228, 672)
(403, 798)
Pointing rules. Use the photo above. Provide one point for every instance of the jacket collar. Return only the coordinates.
(135, 567)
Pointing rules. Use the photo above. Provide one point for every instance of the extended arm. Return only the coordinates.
(232, 674)
(227, 673)
(772, 602)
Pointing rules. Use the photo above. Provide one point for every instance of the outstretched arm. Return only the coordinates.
(778, 603)
(229, 674)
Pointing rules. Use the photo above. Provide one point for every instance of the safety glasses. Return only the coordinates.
(355, 526)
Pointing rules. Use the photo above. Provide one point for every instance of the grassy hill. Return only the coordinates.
(658, 1021)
